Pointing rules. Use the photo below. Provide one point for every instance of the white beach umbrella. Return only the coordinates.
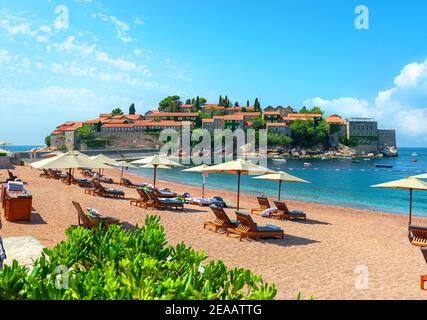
(421, 176)
(200, 169)
(8, 153)
(156, 161)
(69, 160)
(409, 183)
(281, 177)
(122, 164)
(52, 154)
(239, 167)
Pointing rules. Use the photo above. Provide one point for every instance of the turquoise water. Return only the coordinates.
(337, 182)
(18, 148)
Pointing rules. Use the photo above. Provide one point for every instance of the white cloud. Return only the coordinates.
(138, 21)
(121, 27)
(347, 107)
(123, 64)
(70, 45)
(402, 107)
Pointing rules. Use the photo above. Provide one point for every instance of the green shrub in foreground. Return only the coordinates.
(119, 264)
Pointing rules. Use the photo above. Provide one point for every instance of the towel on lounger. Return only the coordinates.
(267, 212)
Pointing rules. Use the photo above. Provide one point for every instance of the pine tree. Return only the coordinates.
(220, 101)
(236, 104)
(247, 103)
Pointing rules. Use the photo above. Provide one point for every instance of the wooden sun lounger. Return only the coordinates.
(264, 204)
(248, 228)
(45, 174)
(12, 177)
(102, 179)
(87, 222)
(83, 183)
(127, 183)
(222, 221)
(418, 238)
(105, 192)
(143, 201)
(161, 203)
(283, 212)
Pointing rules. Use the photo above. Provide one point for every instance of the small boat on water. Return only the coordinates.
(307, 164)
(414, 160)
(356, 161)
(414, 154)
(383, 166)
(279, 160)
(324, 158)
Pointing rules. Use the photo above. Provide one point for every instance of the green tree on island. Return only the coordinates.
(258, 123)
(132, 109)
(170, 104)
(257, 105)
(314, 110)
(309, 133)
(117, 112)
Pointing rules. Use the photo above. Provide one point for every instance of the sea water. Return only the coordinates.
(335, 181)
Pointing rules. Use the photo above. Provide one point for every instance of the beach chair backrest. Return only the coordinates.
(418, 236)
(246, 221)
(11, 176)
(263, 203)
(98, 186)
(81, 215)
(281, 206)
(221, 215)
(143, 194)
(126, 182)
(152, 195)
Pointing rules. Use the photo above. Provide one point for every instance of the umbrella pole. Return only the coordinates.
(238, 191)
(121, 177)
(155, 175)
(280, 188)
(203, 186)
(410, 206)
(69, 177)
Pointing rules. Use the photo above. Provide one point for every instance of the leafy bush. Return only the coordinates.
(278, 139)
(121, 265)
(3, 154)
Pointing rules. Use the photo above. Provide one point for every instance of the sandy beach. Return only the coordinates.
(318, 258)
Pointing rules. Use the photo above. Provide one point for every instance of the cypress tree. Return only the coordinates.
(132, 109)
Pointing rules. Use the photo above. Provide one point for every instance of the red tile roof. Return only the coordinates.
(118, 125)
(276, 124)
(207, 120)
(272, 113)
(173, 114)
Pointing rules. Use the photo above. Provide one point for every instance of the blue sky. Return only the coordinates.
(284, 52)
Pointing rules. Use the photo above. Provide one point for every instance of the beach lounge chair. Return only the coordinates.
(283, 212)
(82, 183)
(162, 203)
(222, 221)
(11, 176)
(143, 201)
(127, 183)
(264, 204)
(57, 175)
(106, 192)
(418, 238)
(45, 174)
(99, 178)
(248, 228)
(89, 222)
(165, 193)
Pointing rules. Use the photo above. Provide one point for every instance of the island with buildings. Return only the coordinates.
(307, 132)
